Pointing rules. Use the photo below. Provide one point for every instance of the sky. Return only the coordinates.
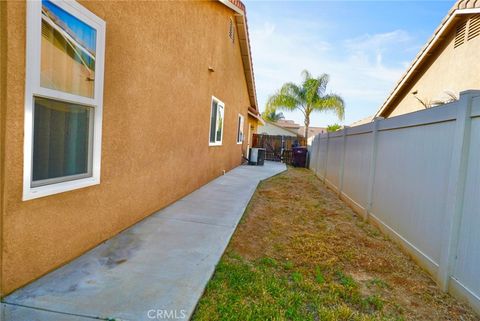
(365, 47)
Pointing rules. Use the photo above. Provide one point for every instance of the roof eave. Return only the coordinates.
(245, 49)
(425, 52)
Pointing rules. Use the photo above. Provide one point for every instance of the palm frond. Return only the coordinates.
(289, 97)
(331, 102)
(315, 88)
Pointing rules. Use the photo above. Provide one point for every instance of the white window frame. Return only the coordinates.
(241, 125)
(222, 105)
(33, 89)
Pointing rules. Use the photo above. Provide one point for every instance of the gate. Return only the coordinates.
(278, 148)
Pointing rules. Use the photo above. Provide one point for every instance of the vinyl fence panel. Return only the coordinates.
(417, 177)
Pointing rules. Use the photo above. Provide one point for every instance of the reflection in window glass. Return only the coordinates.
(68, 52)
(61, 140)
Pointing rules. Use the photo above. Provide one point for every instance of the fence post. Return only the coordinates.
(326, 159)
(373, 162)
(342, 161)
(314, 156)
(455, 188)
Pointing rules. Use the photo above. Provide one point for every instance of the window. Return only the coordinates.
(216, 122)
(240, 129)
(63, 98)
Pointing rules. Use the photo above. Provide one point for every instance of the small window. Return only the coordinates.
(63, 98)
(216, 122)
(240, 129)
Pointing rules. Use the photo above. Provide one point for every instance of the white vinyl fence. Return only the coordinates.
(416, 176)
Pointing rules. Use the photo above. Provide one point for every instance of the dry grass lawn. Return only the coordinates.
(302, 254)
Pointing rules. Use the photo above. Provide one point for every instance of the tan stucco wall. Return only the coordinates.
(3, 99)
(155, 128)
(450, 69)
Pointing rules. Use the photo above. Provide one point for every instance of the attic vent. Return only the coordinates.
(473, 27)
(231, 30)
(460, 35)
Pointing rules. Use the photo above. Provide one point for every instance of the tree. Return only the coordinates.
(272, 115)
(307, 97)
(333, 128)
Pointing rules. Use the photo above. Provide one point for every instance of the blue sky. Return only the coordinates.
(365, 46)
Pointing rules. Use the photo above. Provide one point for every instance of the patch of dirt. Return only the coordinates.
(294, 217)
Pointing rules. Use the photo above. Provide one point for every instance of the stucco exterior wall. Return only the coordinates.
(156, 122)
(449, 69)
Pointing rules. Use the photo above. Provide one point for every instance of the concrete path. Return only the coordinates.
(155, 270)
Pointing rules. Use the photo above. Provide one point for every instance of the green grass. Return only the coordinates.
(270, 290)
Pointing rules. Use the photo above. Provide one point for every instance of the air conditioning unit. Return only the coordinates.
(256, 156)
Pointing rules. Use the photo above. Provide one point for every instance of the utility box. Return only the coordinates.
(256, 156)
(299, 156)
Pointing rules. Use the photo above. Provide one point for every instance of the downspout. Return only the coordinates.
(3, 106)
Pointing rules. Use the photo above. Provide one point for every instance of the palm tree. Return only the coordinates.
(333, 128)
(307, 97)
(272, 115)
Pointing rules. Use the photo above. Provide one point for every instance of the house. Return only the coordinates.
(289, 124)
(109, 112)
(287, 127)
(312, 131)
(362, 121)
(274, 128)
(447, 64)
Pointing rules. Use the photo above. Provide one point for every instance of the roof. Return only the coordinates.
(362, 121)
(461, 7)
(245, 48)
(286, 123)
(276, 124)
(312, 131)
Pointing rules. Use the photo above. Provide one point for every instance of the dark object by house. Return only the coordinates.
(256, 156)
(299, 158)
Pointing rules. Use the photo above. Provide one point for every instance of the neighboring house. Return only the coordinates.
(273, 128)
(287, 127)
(312, 131)
(447, 65)
(365, 120)
(110, 111)
(288, 124)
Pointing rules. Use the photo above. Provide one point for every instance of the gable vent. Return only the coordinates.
(473, 28)
(460, 35)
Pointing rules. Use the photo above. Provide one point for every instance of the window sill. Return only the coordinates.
(42, 191)
(214, 144)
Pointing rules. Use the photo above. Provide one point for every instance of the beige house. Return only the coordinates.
(287, 127)
(273, 128)
(312, 131)
(447, 65)
(110, 111)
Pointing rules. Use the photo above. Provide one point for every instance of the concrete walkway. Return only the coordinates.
(155, 270)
